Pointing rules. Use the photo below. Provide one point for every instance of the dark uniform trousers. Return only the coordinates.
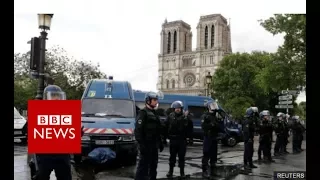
(278, 147)
(59, 163)
(264, 146)
(210, 151)
(177, 147)
(248, 151)
(148, 162)
(295, 142)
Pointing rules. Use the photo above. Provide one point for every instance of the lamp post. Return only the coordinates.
(44, 21)
(208, 80)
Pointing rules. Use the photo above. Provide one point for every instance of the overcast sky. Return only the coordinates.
(124, 35)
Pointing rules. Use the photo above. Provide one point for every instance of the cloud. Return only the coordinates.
(124, 35)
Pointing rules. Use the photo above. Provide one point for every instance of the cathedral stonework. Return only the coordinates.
(182, 70)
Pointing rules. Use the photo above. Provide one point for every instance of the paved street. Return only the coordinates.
(229, 165)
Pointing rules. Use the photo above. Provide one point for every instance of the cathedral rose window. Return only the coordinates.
(189, 79)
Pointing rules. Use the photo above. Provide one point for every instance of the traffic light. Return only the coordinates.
(35, 54)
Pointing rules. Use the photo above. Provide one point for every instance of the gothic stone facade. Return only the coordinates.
(182, 70)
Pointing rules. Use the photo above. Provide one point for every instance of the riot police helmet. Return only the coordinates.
(265, 114)
(53, 92)
(177, 104)
(251, 111)
(212, 105)
(281, 116)
(295, 118)
(153, 96)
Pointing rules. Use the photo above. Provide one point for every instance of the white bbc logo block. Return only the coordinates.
(66, 120)
(54, 119)
(43, 119)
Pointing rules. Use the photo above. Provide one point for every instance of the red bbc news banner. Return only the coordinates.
(54, 126)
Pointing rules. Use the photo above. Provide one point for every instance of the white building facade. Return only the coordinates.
(182, 70)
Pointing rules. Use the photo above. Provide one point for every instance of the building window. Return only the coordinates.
(187, 62)
(206, 37)
(211, 59)
(212, 36)
(174, 41)
(204, 60)
(168, 83)
(169, 43)
(173, 83)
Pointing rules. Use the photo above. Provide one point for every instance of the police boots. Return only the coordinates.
(182, 175)
(205, 173)
(170, 173)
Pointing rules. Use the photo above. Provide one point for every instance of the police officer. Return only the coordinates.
(49, 162)
(265, 138)
(286, 134)
(250, 122)
(178, 127)
(296, 131)
(148, 132)
(210, 127)
(279, 130)
(302, 129)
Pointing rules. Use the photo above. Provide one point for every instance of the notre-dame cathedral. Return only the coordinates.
(182, 69)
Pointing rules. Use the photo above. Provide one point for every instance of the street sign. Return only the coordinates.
(289, 92)
(284, 106)
(284, 98)
(285, 102)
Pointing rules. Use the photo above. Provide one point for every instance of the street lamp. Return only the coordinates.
(208, 80)
(44, 21)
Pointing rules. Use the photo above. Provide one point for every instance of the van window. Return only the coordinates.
(197, 111)
(16, 113)
(163, 109)
(109, 106)
(140, 105)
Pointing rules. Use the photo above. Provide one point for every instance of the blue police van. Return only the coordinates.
(108, 118)
(230, 134)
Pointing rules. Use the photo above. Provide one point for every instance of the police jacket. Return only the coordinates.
(286, 128)
(210, 124)
(178, 126)
(279, 127)
(297, 128)
(264, 129)
(148, 127)
(248, 127)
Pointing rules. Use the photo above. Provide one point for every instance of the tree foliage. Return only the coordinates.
(243, 80)
(288, 66)
(234, 82)
(70, 74)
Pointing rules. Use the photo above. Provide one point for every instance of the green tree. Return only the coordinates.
(287, 69)
(70, 74)
(234, 82)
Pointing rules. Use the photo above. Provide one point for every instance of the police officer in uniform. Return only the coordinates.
(179, 130)
(286, 134)
(250, 122)
(296, 131)
(148, 132)
(302, 129)
(210, 127)
(264, 138)
(60, 163)
(279, 130)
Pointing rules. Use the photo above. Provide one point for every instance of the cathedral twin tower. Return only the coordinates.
(182, 70)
